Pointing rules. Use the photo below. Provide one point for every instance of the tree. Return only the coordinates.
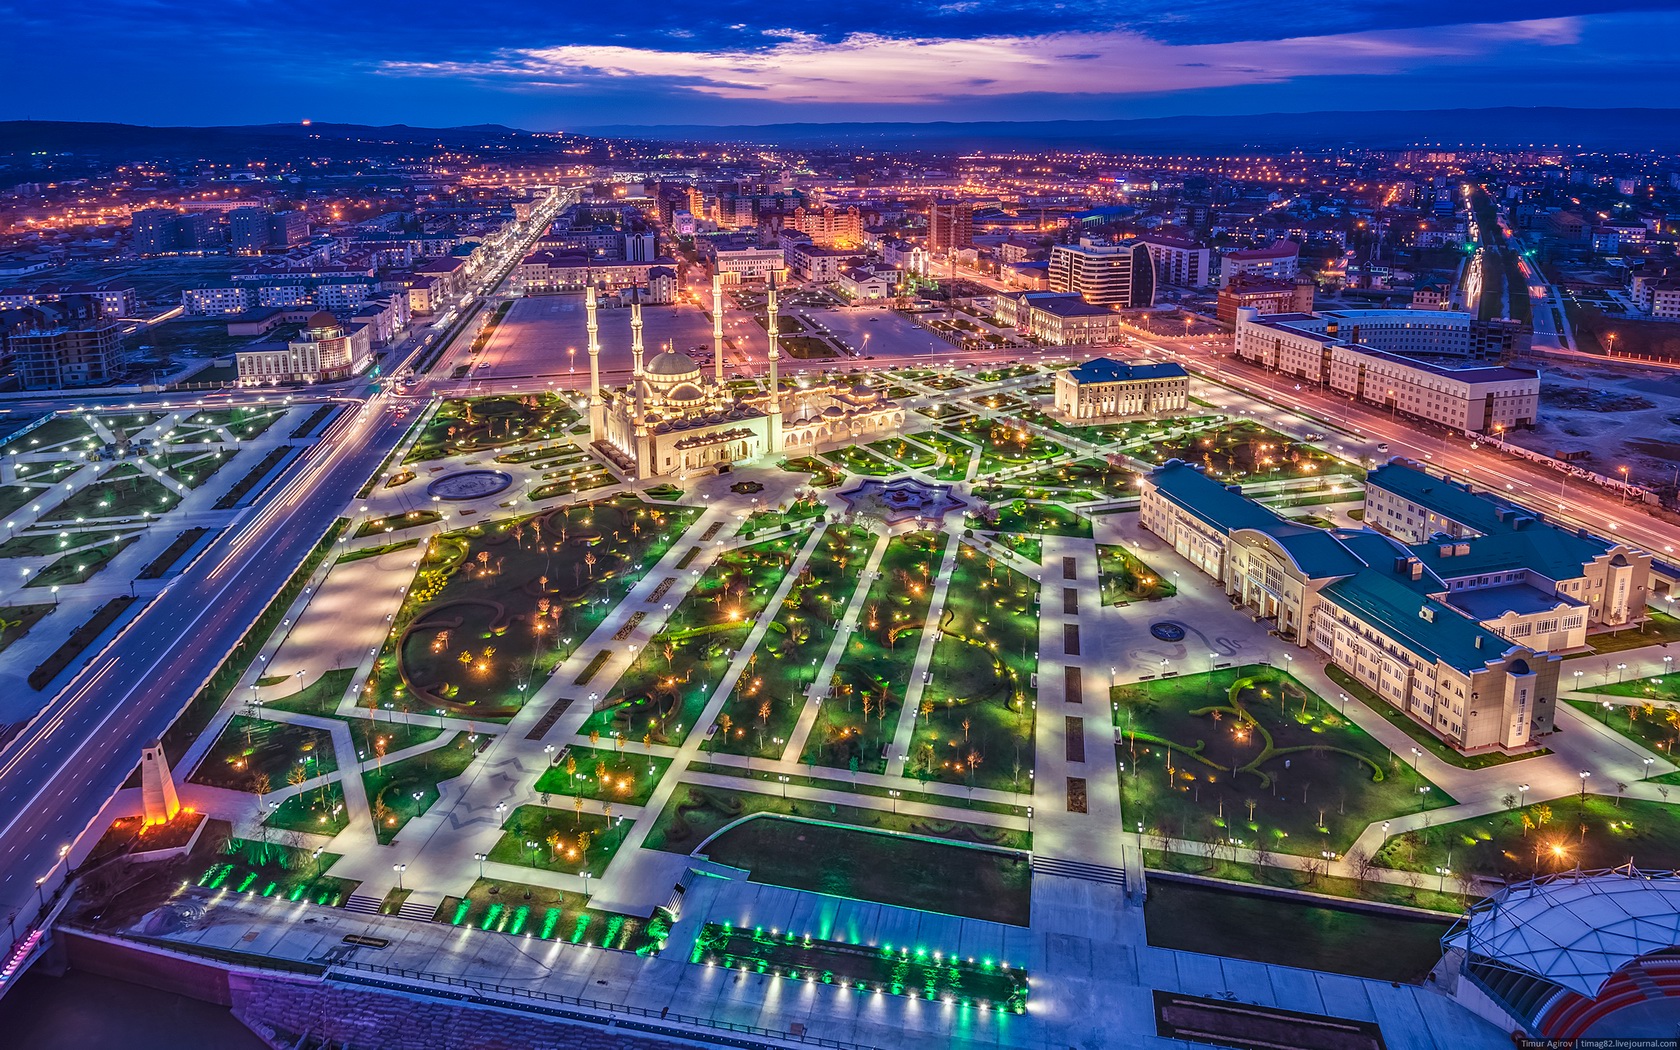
(1362, 864)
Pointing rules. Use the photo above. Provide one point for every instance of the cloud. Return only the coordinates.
(868, 68)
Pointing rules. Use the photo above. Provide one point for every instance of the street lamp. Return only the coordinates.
(1647, 773)
(399, 869)
(480, 858)
(894, 796)
(501, 815)
(1416, 754)
(784, 781)
(1584, 775)
(1522, 794)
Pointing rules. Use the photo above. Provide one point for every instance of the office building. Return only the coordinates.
(1105, 274)
(1108, 391)
(1263, 296)
(829, 227)
(1479, 540)
(326, 351)
(1180, 261)
(1319, 350)
(1058, 319)
(1367, 603)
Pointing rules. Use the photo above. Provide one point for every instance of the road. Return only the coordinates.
(59, 772)
(1558, 496)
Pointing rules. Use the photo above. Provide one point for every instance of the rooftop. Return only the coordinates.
(1108, 370)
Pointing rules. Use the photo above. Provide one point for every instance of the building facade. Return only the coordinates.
(1368, 604)
(1179, 261)
(672, 421)
(1316, 349)
(1120, 275)
(1059, 319)
(326, 352)
(1108, 391)
(950, 225)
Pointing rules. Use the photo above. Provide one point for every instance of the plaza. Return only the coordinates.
(940, 691)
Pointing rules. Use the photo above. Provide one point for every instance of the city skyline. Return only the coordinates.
(514, 64)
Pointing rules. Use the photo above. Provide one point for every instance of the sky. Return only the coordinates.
(546, 65)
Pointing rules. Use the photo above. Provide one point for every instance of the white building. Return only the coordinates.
(1108, 391)
(327, 352)
(1280, 261)
(1178, 261)
(1316, 349)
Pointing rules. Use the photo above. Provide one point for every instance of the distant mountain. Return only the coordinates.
(1629, 129)
(54, 136)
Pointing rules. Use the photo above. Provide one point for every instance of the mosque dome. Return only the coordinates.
(673, 365)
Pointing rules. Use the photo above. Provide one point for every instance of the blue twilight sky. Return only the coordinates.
(542, 64)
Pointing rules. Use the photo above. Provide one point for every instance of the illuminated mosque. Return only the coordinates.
(671, 420)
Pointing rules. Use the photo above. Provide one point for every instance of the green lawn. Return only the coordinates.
(859, 714)
(567, 841)
(626, 777)
(905, 872)
(1126, 579)
(823, 475)
(269, 869)
(1021, 516)
(479, 424)
(16, 620)
(392, 787)
(660, 696)
(1084, 474)
(37, 544)
(760, 713)
(397, 522)
(976, 719)
(1601, 831)
(1247, 452)
(953, 457)
(259, 756)
(1214, 920)
(320, 697)
(1660, 629)
(319, 811)
(1002, 445)
(1277, 765)
(128, 498)
(912, 454)
(858, 460)
(1651, 727)
(492, 605)
(80, 566)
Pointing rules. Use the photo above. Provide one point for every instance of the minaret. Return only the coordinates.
(717, 329)
(597, 403)
(636, 373)
(774, 438)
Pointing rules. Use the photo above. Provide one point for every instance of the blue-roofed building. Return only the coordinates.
(1104, 390)
(1475, 540)
(1370, 604)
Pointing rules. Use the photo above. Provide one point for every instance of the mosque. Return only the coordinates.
(670, 420)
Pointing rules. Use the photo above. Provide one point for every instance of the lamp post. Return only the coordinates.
(480, 858)
(399, 869)
(783, 778)
(1416, 754)
(1522, 794)
(501, 815)
(1584, 775)
(894, 796)
(1647, 774)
